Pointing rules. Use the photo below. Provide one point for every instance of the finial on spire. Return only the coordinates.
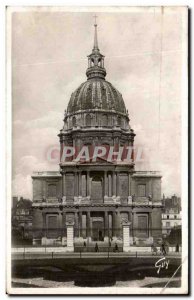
(95, 34)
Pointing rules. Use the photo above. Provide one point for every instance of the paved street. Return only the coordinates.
(50, 252)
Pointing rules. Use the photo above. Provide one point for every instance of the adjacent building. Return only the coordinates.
(171, 214)
(21, 220)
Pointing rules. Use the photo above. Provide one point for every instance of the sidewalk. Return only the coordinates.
(47, 249)
(62, 252)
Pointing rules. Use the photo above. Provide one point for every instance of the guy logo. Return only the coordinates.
(161, 264)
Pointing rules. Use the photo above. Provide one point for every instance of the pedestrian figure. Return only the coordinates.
(116, 249)
(84, 244)
(154, 249)
(109, 243)
(96, 248)
(163, 249)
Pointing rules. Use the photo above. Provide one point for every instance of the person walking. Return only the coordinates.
(116, 249)
(163, 249)
(96, 248)
(177, 247)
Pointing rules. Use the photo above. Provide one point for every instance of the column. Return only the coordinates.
(44, 239)
(80, 183)
(70, 236)
(76, 184)
(117, 183)
(114, 184)
(88, 224)
(76, 228)
(80, 223)
(64, 234)
(118, 222)
(133, 226)
(106, 223)
(109, 185)
(129, 183)
(150, 224)
(105, 184)
(114, 225)
(64, 184)
(88, 183)
(60, 223)
(126, 237)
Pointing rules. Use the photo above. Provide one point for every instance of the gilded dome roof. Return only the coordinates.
(96, 93)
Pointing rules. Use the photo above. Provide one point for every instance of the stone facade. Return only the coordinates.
(96, 201)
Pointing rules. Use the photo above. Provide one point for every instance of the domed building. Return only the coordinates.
(97, 197)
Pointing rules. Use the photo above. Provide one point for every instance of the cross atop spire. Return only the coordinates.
(95, 35)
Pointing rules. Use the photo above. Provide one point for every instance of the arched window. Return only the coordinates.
(74, 122)
(122, 123)
(119, 121)
(88, 120)
(104, 120)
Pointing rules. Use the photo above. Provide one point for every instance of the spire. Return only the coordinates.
(95, 59)
(95, 36)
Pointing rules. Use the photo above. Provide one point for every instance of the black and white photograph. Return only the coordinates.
(97, 106)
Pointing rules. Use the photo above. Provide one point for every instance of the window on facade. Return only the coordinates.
(142, 229)
(88, 120)
(141, 190)
(52, 190)
(74, 121)
(175, 216)
(167, 216)
(104, 120)
(52, 226)
(167, 224)
(119, 121)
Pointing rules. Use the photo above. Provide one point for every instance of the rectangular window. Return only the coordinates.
(142, 225)
(141, 190)
(69, 183)
(52, 226)
(52, 190)
(167, 224)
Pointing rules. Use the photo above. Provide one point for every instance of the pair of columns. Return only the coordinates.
(77, 184)
(111, 184)
(114, 228)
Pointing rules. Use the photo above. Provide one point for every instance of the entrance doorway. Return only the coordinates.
(98, 230)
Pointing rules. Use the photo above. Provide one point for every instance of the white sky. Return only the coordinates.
(49, 52)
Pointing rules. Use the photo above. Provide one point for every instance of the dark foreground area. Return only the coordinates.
(95, 272)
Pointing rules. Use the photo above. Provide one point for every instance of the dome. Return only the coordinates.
(96, 93)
